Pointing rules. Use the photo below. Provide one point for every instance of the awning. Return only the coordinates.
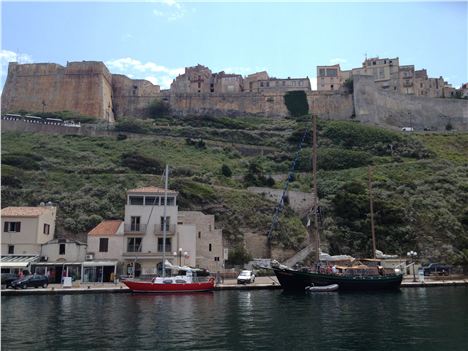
(99, 263)
(18, 261)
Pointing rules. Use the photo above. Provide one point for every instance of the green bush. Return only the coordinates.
(238, 256)
(296, 103)
(22, 160)
(132, 125)
(226, 171)
(331, 159)
(141, 163)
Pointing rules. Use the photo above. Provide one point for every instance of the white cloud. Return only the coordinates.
(10, 56)
(173, 10)
(156, 74)
(336, 60)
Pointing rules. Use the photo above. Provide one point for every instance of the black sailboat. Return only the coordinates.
(356, 276)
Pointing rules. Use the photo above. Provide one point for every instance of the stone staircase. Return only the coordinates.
(300, 256)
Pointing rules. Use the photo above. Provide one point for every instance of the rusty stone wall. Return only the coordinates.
(81, 87)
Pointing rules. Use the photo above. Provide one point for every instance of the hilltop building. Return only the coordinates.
(387, 75)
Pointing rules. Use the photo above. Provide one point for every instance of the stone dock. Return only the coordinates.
(229, 284)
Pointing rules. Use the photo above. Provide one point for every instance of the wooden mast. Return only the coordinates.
(314, 172)
(371, 205)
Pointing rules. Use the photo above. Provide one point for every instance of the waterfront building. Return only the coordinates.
(137, 242)
(60, 258)
(25, 229)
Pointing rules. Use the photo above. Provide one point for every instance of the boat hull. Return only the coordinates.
(150, 287)
(298, 281)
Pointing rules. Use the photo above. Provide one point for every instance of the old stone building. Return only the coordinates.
(87, 88)
(331, 78)
(280, 85)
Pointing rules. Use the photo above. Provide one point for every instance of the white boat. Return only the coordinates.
(323, 288)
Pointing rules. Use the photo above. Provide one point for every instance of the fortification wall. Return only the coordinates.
(332, 106)
(232, 104)
(81, 87)
(376, 106)
(132, 97)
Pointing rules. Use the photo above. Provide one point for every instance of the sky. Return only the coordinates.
(155, 40)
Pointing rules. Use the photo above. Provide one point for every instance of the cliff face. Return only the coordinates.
(82, 87)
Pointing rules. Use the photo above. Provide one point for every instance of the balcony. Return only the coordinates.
(135, 228)
(158, 230)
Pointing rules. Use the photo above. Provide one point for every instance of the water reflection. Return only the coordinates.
(414, 319)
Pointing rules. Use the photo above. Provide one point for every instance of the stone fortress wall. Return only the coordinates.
(376, 106)
(89, 88)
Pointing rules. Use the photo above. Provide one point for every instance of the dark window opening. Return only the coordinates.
(209, 247)
(62, 249)
(134, 245)
(46, 228)
(11, 249)
(161, 245)
(12, 227)
(199, 235)
(103, 244)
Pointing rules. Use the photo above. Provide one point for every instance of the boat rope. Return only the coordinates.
(290, 178)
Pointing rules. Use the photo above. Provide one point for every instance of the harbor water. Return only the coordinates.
(411, 319)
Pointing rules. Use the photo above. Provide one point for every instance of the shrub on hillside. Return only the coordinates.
(226, 171)
(22, 160)
(141, 163)
(332, 159)
(132, 125)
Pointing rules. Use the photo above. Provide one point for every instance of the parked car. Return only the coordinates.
(8, 278)
(34, 280)
(436, 268)
(246, 277)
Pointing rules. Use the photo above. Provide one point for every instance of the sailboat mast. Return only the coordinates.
(371, 205)
(314, 169)
(166, 172)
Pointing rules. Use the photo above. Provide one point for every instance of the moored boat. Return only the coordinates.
(298, 280)
(169, 285)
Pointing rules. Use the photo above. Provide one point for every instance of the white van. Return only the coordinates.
(407, 129)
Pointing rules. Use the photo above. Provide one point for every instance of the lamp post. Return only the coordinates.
(179, 254)
(412, 254)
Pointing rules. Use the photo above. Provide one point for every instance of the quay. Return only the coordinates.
(261, 283)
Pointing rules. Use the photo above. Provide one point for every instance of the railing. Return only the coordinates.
(168, 249)
(135, 228)
(158, 229)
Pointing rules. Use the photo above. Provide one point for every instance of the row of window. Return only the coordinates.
(136, 226)
(135, 245)
(151, 200)
(15, 227)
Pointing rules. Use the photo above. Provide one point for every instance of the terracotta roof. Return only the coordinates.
(151, 189)
(107, 227)
(25, 211)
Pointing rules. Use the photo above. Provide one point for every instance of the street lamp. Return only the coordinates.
(180, 255)
(412, 254)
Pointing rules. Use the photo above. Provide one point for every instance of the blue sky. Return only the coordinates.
(156, 40)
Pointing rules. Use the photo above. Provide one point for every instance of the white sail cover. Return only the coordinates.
(328, 258)
(380, 254)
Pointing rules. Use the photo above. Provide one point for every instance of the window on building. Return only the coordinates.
(209, 247)
(12, 227)
(161, 244)
(11, 249)
(134, 245)
(331, 87)
(168, 221)
(322, 72)
(61, 249)
(209, 227)
(103, 244)
(216, 259)
(135, 223)
(170, 201)
(46, 228)
(135, 200)
(151, 200)
(199, 235)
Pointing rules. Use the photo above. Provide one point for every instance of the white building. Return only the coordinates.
(138, 242)
(25, 229)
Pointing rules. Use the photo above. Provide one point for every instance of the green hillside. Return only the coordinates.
(420, 181)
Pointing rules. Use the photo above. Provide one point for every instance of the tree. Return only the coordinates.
(226, 171)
